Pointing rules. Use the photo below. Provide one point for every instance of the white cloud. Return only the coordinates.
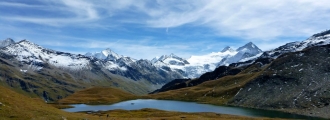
(249, 19)
(11, 4)
(77, 11)
(240, 18)
(139, 49)
(124, 47)
(262, 22)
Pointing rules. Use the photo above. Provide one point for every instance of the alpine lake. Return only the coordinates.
(190, 107)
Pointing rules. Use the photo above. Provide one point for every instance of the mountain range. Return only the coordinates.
(30, 59)
(52, 75)
(291, 78)
(192, 67)
(248, 76)
(249, 54)
(195, 66)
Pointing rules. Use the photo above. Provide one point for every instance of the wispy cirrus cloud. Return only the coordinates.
(251, 20)
(246, 19)
(179, 26)
(66, 12)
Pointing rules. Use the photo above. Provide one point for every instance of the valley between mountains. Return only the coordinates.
(292, 78)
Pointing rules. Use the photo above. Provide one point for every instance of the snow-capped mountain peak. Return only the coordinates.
(250, 48)
(172, 59)
(36, 56)
(163, 57)
(108, 52)
(227, 49)
(104, 54)
(196, 65)
(322, 38)
(246, 52)
(321, 34)
(155, 59)
(8, 41)
(111, 55)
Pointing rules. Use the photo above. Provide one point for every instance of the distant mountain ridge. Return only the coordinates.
(195, 66)
(104, 54)
(228, 49)
(318, 39)
(35, 55)
(43, 65)
(192, 67)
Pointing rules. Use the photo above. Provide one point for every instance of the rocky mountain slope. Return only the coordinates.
(134, 69)
(292, 78)
(315, 40)
(299, 80)
(195, 66)
(37, 71)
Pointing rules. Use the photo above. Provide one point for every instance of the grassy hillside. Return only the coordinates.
(214, 92)
(15, 106)
(217, 91)
(20, 107)
(98, 95)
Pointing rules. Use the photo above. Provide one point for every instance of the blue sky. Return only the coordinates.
(149, 28)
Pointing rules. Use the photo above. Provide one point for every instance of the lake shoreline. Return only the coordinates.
(194, 107)
(92, 98)
(146, 113)
(290, 111)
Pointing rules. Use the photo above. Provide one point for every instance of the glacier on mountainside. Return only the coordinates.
(194, 66)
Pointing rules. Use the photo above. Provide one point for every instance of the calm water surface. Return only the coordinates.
(170, 105)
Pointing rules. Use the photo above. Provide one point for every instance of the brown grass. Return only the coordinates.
(60, 106)
(98, 95)
(213, 92)
(19, 107)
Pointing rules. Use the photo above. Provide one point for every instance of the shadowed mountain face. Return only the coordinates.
(182, 83)
(298, 80)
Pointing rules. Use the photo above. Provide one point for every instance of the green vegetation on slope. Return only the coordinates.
(98, 95)
(16, 106)
(214, 92)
